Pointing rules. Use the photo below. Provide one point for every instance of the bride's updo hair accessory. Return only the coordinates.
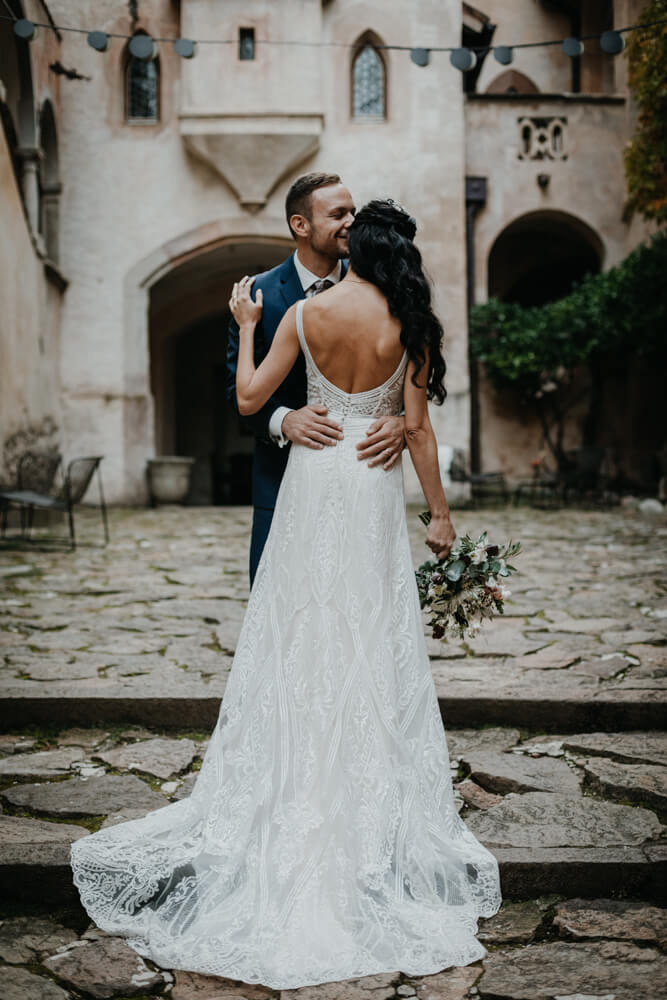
(390, 214)
(382, 251)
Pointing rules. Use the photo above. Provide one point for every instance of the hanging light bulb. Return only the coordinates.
(98, 40)
(573, 47)
(143, 47)
(503, 54)
(185, 48)
(420, 57)
(25, 29)
(463, 59)
(612, 42)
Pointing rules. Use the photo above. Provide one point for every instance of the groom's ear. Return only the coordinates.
(299, 225)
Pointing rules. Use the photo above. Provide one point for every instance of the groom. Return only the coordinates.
(319, 211)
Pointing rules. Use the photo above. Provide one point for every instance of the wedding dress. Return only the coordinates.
(321, 841)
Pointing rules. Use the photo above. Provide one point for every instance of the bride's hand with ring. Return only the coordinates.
(244, 310)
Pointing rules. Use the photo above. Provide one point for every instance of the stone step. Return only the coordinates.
(462, 704)
(545, 841)
(40, 873)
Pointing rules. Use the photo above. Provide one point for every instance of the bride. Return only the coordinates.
(321, 840)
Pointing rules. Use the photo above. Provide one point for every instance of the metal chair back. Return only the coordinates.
(80, 471)
(36, 471)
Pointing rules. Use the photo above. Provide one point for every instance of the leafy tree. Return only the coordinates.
(540, 351)
(646, 155)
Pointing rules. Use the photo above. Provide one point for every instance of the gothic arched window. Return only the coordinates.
(50, 186)
(368, 83)
(142, 90)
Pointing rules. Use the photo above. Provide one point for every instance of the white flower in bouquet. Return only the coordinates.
(479, 554)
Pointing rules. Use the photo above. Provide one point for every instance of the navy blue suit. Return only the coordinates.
(281, 288)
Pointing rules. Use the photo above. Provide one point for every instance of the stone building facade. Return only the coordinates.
(132, 194)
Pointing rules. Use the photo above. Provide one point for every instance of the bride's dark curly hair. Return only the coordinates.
(382, 252)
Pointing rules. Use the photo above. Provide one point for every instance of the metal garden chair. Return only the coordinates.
(35, 489)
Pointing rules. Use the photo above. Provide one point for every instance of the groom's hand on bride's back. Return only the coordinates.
(311, 427)
(385, 440)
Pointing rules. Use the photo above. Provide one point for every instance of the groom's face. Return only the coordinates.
(332, 213)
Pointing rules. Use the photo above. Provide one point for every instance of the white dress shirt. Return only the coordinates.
(307, 279)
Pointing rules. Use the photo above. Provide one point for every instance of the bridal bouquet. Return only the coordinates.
(459, 592)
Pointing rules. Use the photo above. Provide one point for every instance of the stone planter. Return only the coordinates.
(169, 478)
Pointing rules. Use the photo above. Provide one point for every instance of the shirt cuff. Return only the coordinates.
(276, 425)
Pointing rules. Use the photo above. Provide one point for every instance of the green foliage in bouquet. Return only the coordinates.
(459, 592)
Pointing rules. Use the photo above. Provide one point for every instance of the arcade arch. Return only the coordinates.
(539, 256)
(188, 321)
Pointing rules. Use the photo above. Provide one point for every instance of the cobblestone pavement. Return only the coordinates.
(113, 664)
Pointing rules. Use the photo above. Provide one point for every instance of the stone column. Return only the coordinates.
(30, 157)
(475, 200)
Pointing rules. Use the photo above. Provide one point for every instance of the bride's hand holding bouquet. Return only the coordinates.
(463, 586)
(441, 535)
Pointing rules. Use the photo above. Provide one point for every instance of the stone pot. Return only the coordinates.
(169, 478)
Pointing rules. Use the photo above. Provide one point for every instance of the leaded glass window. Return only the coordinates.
(142, 90)
(368, 84)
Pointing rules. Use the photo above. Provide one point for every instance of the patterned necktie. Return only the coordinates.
(318, 286)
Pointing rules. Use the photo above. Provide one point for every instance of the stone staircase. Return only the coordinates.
(113, 665)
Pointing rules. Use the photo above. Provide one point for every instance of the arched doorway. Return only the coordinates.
(188, 321)
(535, 259)
(538, 257)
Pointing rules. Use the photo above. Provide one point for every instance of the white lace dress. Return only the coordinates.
(321, 841)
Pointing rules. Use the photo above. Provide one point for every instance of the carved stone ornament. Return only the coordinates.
(542, 138)
(252, 152)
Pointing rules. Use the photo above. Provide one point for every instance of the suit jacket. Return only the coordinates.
(281, 288)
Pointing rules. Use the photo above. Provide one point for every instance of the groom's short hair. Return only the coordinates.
(298, 197)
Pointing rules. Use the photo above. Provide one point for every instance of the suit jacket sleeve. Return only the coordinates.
(258, 422)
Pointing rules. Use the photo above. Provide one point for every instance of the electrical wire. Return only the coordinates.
(295, 42)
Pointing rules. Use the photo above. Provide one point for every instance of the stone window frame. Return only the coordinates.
(128, 60)
(366, 40)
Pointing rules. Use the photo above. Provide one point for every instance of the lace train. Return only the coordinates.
(321, 841)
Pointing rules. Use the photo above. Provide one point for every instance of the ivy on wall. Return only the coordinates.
(646, 155)
(538, 351)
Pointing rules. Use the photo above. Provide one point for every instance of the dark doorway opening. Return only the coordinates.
(189, 320)
(207, 426)
(539, 257)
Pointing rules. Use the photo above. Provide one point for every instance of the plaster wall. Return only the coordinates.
(136, 200)
(520, 21)
(30, 412)
(29, 319)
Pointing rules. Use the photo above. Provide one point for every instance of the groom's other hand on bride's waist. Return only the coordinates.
(384, 442)
(310, 426)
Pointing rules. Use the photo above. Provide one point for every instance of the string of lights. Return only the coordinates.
(144, 47)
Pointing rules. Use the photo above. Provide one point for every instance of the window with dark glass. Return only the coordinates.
(142, 90)
(368, 84)
(246, 43)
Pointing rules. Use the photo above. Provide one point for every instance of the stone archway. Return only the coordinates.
(188, 343)
(539, 256)
(175, 302)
